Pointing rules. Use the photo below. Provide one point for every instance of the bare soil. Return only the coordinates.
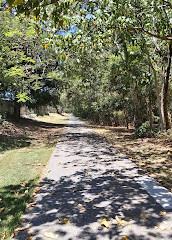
(28, 133)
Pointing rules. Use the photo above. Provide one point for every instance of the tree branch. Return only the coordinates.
(167, 38)
(168, 3)
(140, 29)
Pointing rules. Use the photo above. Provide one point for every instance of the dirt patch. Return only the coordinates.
(28, 133)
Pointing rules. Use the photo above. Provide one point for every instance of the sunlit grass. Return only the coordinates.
(54, 118)
(21, 168)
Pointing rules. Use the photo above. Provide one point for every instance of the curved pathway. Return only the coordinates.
(87, 181)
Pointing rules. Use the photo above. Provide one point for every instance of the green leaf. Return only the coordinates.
(10, 2)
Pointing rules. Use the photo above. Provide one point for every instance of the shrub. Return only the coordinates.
(144, 131)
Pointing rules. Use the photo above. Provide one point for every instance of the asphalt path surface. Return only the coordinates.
(86, 181)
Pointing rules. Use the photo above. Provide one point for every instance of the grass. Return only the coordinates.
(54, 118)
(153, 155)
(25, 148)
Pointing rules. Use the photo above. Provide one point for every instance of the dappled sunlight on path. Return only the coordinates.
(87, 181)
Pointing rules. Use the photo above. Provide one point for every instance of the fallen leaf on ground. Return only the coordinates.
(144, 216)
(31, 204)
(162, 227)
(120, 182)
(12, 235)
(80, 205)
(76, 190)
(125, 237)
(16, 192)
(37, 189)
(26, 191)
(22, 184)
(66, 169)
(113, 174)
(64, 220)
(128, 219)
(104, 223)
(49, 235)
(4, 234)
(59, 163)
(162, 213)
(2, 209)
(88, 200)
(120, 222)
(22, 228)
(81, 208)
(29, 238)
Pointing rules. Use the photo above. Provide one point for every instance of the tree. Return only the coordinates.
(113, 23)
(29, 65)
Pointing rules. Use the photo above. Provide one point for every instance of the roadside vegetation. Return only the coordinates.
(25, 148)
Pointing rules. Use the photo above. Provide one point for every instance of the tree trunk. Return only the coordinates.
(164, 90)
(138, 117)
(150, 111)
(162, 123)
(161, 115)
(126, 118)
(17, 113)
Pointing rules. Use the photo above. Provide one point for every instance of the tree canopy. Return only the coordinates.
(30, 72)
(111, 58)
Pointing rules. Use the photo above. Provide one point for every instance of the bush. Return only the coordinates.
(144, 131)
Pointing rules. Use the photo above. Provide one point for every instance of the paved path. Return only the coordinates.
(87, 181)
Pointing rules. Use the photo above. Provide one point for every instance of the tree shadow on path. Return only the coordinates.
(85, 193)
(89, 201)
